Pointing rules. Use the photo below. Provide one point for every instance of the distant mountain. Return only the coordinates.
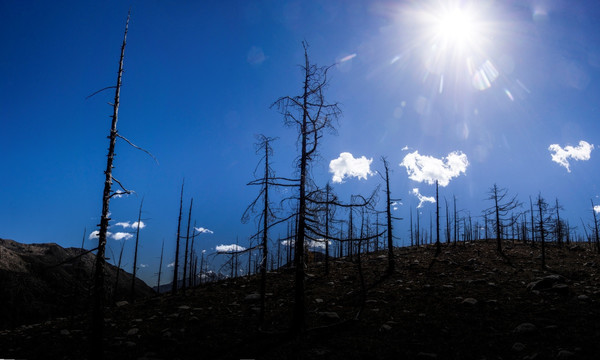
(42, 281)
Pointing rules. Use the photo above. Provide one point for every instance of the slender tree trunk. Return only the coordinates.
(97, 345)
(162, 249)
(135, 253)
(176, 265)
(265, 239)
(390, 236)
(187, 238)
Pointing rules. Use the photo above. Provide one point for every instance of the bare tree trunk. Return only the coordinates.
(176, 265)
(187, 238)
(97, 345)
(388, 209)
(137, 239)
(162, 249)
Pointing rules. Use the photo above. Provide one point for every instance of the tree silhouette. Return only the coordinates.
(310, 114)
(500, 210)
(176, 264)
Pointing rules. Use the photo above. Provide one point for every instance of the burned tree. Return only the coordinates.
(97, 349)
(187, 240)
(388, 210)
(500, 210)
(267, 180)
(176, 264)
(135, 253)
(310, 114)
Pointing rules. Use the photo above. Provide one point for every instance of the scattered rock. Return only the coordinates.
(386, 327)
(583, 297)
(65, 332)
(518, 347)
(469, 301)
(318, 301)
(122, 303)
(525, 328)
(565, 354)
(329, 315)
(133, 331)
(561, 289)
(184, 307)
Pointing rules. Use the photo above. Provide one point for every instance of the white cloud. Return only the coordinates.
(597, 209)
(121, 236)
(405, 148)
(422, 198)
(424, 168)
(561, 155)
(128, 225)
(143, 265)
(171, 264)
(95, 234)
(202, 230)
(229, 248)
(347, 166)
(134, 225)
(320, 244)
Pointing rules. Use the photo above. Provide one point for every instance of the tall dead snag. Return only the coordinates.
(162, 249)
(310, 114)
(500, 210)
(266, 214)
(176, 265)
(137, 239)
(388, 210)
(97, 348)
(187, 239)
(544, 221)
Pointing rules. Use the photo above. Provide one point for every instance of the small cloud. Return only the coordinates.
(313, 244)
(423, 168)
(255, 56)
(171, 264)
(95, 234)
(121, 236)
(561, 155)
(135, 225)
(405, 148)
(422, 198)
(229, 248)
(143, 265)
(597, 209)
(347, 166)
(346, 58)
(202, 230)
(128, 225)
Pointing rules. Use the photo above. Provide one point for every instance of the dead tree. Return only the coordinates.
(162, 249)
(388, 210)
(500, 210)
(187, 239)
(267, 180)
(544, 220)
(310, 114)
(97, 347)
(135, 253)
(176, 264)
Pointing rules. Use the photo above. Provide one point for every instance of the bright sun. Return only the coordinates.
(453, 38)
(455, 27)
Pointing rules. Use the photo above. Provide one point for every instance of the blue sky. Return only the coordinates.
(200, 78)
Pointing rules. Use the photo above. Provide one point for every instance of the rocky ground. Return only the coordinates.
(470, 303)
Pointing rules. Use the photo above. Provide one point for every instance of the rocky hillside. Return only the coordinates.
(39, 282)
(469, 303)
